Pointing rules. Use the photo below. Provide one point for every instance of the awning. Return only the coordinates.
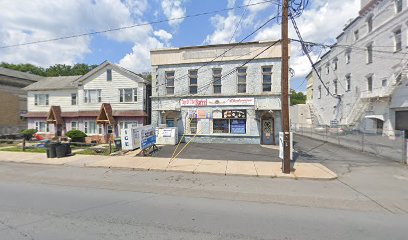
(105, 115)
(379, 117)
(54, 115)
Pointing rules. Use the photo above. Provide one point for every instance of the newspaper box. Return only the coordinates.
(167, 136)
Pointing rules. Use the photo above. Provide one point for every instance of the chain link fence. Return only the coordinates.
(391, 144)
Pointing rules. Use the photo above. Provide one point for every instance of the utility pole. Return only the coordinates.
(284, 86)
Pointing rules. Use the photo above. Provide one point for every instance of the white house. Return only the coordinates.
(365, 72)
(102, 101)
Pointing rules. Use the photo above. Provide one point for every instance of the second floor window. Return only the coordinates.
(370, 53)
(319, 92)
(370, 23)
(348, 57)
(335, 64)
(241, 73)
(217, 80)
(128, 95)
(398, 40)
(169, 82)
(108, 74)
(192, 76)
(356, 35)
(41, 99)
(327, 69)
(74, 98)
(267, 79)
(370, 83)
(348, 82)
(398, 5)
(335, 87)
(93, 96)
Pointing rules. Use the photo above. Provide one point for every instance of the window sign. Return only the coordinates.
(238, 126)
(228, 114)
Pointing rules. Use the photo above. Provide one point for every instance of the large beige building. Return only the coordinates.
(13, 99)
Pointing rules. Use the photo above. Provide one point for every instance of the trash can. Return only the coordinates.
(68, 150)
(51, 150)
(118, 144)
(60, 150)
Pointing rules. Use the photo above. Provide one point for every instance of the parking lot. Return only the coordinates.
(236, 152)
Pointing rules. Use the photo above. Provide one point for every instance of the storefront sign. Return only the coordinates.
(148, 137)
(218, 102)
(199, 114)
(232, 114)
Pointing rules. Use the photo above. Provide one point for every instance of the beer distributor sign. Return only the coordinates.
(217, 102)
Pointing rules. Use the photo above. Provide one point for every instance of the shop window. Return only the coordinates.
(193, 125)
(241, 74)
(267, 79)
(238, 126)
(217, 80)
(169, 82)
(192, 75)
(221, 126)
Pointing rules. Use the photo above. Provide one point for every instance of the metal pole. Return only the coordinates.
(284, 89)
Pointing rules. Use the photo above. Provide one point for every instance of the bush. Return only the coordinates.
(28, 133)
(76, 135)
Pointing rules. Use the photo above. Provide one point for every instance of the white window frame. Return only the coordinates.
(327, 69)
(97, 130)
(335, 64)
(356, 34)
(169, 88)
(39, 129)
(398, 6)
(348, 82)
(370, 78)
(398, 40)
(217, 75)
(369, 56)
(38, 99)
(125, 124)
(76, 125)
(370, 23)
(266, 74)
(193, 87)
(242, 83)
(122, 96)
(108, 74)
(72, 99)
(319, 92)
(335, 82)
(348, 57)
(87, 95)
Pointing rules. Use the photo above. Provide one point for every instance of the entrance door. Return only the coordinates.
(268, 134)
(380, 125)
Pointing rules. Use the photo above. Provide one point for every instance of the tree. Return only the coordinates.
(297, 97)
(52, 71)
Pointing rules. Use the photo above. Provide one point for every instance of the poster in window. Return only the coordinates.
(238, 126)
(232, 114)
(217, 114)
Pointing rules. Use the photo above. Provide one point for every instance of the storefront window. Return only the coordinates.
(170, 122)
(221, 126)
(238, 126)
(193, 125)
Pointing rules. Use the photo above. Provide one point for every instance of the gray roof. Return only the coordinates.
(54, 83)
(21, 75)
(117, 68)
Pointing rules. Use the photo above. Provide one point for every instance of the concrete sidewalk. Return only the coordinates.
(223, 167)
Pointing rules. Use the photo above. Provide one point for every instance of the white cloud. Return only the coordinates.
(163, 35)
(33, 20)
(322, 22)
(224, 29)
(173, 9)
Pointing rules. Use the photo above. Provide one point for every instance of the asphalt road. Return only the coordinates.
(56, 202)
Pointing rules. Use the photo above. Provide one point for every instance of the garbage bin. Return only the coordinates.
(51, 150)
(68, 150)
(118, 144)
(60, 150)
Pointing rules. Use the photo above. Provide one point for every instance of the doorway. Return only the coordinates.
(268, 131)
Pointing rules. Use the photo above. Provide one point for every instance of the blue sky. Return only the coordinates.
(33, 20)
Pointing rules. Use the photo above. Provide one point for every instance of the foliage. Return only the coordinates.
(52, 71)
(76, 135)
(297, 97)
(91, 151)
(28, 133)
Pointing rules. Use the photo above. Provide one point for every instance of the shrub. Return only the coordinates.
(28, 133)
(76, 135)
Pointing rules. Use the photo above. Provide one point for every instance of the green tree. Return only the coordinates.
(52, 71)
(297, 97)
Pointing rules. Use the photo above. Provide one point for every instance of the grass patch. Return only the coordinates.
(19, 149)
(93, 152)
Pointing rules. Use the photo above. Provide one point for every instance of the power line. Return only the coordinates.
(222, 54)
(133, 26)
(308, 55)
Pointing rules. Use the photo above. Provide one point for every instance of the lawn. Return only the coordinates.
(19, 149)
(92, 152)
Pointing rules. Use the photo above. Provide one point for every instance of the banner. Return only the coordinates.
(217, 102)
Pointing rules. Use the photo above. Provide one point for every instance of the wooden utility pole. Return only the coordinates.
(285, 89)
